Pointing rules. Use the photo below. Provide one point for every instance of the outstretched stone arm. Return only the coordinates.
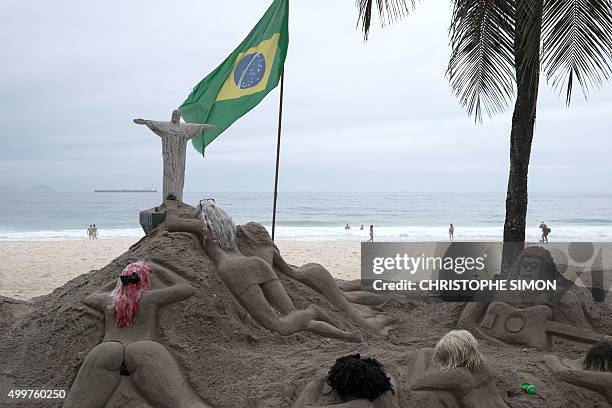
(150, 125)
(161, 129)
(178, 288)
(191, 130)
(98, 300)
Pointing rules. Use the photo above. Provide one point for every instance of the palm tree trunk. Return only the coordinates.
(521, 136)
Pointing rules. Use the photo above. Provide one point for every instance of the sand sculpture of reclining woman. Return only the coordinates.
(532, 318)
(254, 240)
(456, 366)
(352, 382)
(131, 344)
(251, 280)
(594, 373)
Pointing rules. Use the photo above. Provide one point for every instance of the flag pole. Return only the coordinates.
(278, 142)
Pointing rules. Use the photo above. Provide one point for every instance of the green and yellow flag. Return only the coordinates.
(243, 79)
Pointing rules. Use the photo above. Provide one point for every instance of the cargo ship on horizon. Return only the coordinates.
(126, 190)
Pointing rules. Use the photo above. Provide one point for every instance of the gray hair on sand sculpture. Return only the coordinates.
(458, 348)
(218, 224)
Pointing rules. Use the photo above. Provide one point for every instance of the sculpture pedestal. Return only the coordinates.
(151, 219)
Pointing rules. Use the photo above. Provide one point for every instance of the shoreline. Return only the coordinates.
(326, 233)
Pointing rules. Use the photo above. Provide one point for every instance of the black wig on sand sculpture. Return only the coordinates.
(352, 382)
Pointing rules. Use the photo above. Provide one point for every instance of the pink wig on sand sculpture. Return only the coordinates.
(134, 280)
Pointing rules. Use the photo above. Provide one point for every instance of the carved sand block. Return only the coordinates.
(593, 373)
(352, 382)
(174, 136)
(131, 343)
(251, 279)
(454, 370)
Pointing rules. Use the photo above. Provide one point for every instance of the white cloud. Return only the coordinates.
(358, 116)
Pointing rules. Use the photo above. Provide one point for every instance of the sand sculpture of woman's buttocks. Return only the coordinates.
(131, 345)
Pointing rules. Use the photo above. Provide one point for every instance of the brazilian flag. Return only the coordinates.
(243, 79)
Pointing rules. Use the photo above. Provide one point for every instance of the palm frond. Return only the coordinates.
(527, 46)
(389, 12)
(481, 66)
(577, 43)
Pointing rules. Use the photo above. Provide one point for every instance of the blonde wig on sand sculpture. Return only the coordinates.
(217, 225)
(458, 348)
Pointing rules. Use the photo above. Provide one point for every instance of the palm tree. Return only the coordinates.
(498, 48)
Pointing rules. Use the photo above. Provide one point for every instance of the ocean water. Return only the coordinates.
(314, 216)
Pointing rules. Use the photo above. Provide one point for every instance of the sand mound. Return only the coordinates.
(229, 360)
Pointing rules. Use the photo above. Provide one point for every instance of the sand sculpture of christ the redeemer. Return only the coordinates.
(174, 136)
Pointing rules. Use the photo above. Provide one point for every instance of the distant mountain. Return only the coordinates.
(41, 189)
(4, 189)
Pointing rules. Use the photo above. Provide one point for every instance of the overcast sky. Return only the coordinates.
(375, 116)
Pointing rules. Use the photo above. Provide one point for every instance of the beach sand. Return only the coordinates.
(35, 268)
(228, 359)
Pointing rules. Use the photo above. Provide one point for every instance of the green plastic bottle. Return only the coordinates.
(529, 389)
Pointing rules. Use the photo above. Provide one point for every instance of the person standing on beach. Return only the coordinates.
(545, 232)
(90, 231)
(94, 232)
(361, 227)
(371, 234)
(451, 232)
(347, 227)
